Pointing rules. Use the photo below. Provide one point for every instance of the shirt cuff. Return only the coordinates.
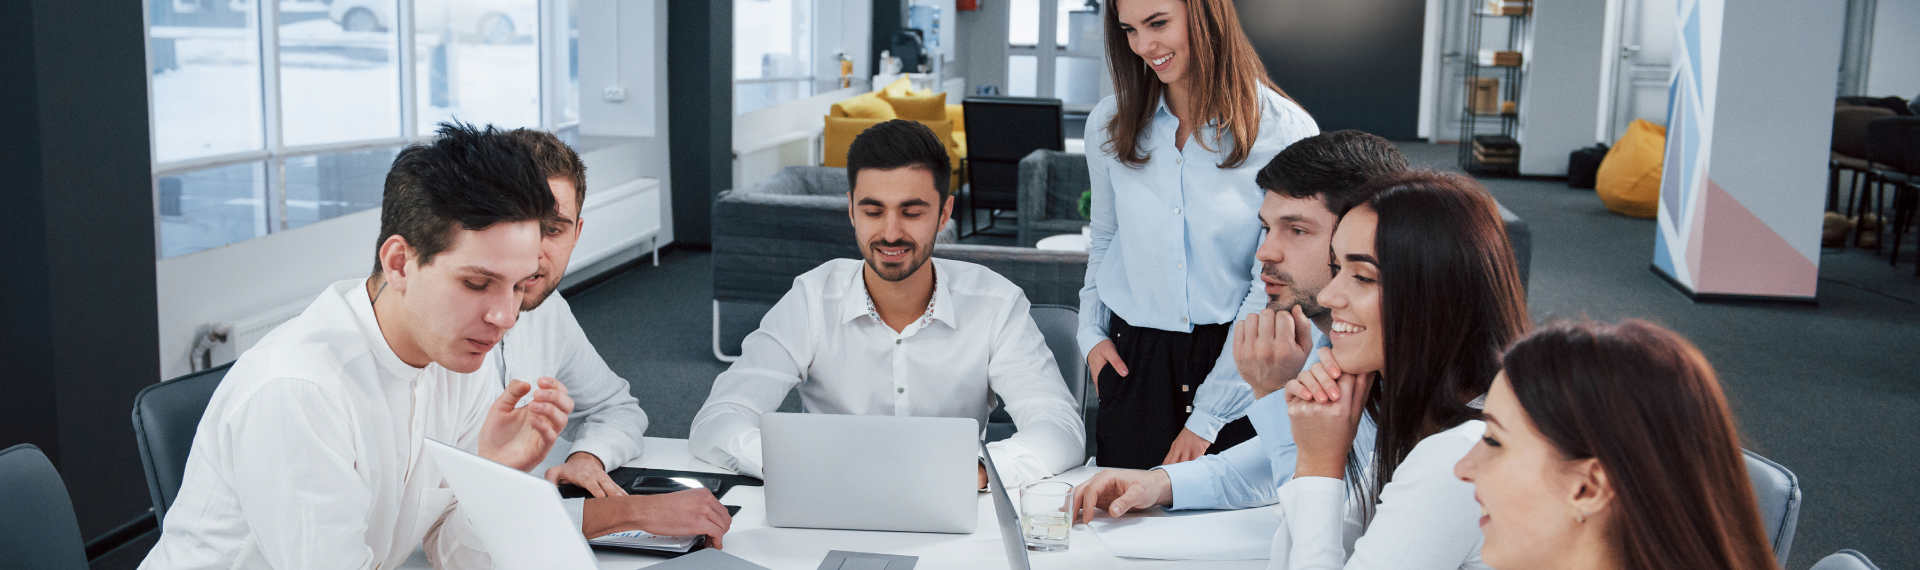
(1090, 337)
(1193, 486)
(610, 456)
(576, 511)
(1205, 425)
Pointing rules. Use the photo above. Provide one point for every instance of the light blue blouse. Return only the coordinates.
(1173, 241)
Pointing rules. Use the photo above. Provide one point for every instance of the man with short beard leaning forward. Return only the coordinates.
(1305, 184)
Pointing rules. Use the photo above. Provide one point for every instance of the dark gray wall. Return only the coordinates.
(1353, 64)
(700, 114)
(80, 327)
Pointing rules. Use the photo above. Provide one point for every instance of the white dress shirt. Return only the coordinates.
(1426, 520)
(547, 342)
(1172, 241)
(309, 454)
(978, 341)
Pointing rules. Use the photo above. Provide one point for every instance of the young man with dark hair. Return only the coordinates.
(309, 451)
(1306, 185)
(898, 332)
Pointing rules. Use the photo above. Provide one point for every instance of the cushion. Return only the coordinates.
(957, 114)
(901, 86)
(1629, 178)
(840, 132)
(927, 107)
(867, 106)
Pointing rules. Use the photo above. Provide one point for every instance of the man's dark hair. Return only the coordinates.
(1335, 166)
(556, 160)
(900, 143)
(467, 178)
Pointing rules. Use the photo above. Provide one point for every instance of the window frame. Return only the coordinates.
(551, 42)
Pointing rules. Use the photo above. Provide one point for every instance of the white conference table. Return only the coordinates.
(802, 549)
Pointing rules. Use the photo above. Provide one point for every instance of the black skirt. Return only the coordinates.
(1141, 413)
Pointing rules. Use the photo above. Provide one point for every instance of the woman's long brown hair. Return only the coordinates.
(1450, 302)
(1226, 75)
(1646, 404)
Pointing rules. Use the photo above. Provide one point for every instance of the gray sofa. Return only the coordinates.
(769, 233)
(1050, 186)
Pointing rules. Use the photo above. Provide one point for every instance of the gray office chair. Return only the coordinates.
(37, 526)
(1779, 494)
(1845, 559)
(165, 416)
(1058, 324)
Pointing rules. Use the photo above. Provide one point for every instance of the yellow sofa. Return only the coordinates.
(850, 117)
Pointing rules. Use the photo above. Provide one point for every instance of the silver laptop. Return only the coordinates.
(871, 472)
(518, 516)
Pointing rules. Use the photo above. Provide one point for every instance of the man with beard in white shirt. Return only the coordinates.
(901, 333)
(309, 453)
(607, 424)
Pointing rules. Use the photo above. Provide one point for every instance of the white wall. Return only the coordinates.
(842, 26)
(1561, 95)
(291, 266)
(1894, 67)
(627, 62)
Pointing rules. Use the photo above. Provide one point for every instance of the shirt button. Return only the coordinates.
(1176, 210)
(900, 390)
(1180, 266)
(897, 340)
(1183, 320)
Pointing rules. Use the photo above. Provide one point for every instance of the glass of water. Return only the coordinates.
(1046, 509)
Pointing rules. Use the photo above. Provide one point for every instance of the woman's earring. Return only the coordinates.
(1581, 518)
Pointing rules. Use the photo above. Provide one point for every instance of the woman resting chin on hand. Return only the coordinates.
(1424, 296)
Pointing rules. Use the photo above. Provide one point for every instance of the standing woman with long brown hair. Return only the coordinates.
(1172, 157)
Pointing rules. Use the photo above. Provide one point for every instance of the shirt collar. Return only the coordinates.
(362, 306)
(939, 308)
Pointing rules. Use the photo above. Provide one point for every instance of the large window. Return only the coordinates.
(772, 53)
(270, 115)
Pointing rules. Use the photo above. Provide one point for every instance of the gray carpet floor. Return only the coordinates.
(1830, 391)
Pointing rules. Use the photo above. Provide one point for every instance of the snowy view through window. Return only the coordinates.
(243, 149)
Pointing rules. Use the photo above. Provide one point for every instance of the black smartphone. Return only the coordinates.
(664, 485)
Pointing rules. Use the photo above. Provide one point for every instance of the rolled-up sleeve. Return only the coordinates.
(1050, 437)
(773, 359)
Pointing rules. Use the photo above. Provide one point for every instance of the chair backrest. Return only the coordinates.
(37, 526)
(1051, 182)
(1778, 492)
(1887, 139)
(1845, 559)
(1910, 164)
(165, 417)
(1000, 132)
(1850, 128)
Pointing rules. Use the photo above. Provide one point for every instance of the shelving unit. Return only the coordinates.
(1476, 124)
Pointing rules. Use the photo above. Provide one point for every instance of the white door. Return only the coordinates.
(1643, 49)
(1056, 48)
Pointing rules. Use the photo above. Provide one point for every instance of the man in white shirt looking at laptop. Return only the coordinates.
(900, 333)
(309, 453)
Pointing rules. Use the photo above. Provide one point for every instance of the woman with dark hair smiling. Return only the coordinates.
(1175, 221)
(1424, 296)
(1610, 446)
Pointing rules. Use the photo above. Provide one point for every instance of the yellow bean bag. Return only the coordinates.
(1629, 177)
